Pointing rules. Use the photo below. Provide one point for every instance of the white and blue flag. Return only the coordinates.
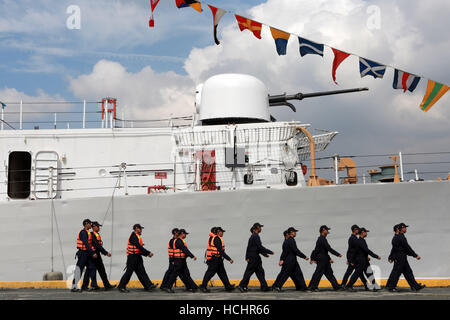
(309, 47)
(370, 68)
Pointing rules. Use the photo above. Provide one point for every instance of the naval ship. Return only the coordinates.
(231, 164)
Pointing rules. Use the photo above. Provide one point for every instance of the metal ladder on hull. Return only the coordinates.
(46, 165)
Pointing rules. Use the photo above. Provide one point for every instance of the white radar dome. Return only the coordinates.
(233, 98)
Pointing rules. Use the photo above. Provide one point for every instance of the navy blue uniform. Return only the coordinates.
(181, 269)
(170, 269)
(135, 263)
(401, 250)
(291, 267)
(85, 259)
(215, 265)
(394, 272)
(351, 260)
(323, 263)
(254, 264)
(361, 260)
(99, 266)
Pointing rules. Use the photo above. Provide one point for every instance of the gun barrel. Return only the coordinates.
(329, 93)
(283, 98)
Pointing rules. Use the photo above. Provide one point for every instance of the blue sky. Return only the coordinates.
(26, 55)
(153, 72)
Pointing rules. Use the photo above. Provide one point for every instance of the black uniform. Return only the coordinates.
(85, 259)
(290, 267)
(215, 265)
(395, 269)
(98, 262)
(181, 269)
(284, 267)
(351, 255)
(170, 269)
(136, 264)
(402, 250)
(323, 263)
(254, 264)
(361, 261)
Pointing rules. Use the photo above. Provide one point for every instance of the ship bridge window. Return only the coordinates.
(19, 175)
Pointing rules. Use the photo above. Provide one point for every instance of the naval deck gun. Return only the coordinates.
(282, 99)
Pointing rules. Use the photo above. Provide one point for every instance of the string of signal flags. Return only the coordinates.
(403, 80)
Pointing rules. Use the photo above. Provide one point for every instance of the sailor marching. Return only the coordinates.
(90, 246)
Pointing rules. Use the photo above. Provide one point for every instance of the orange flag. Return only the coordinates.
(435, 91)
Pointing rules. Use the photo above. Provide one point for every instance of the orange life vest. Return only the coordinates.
(211, 250)
(178, 253)
(99, 238)
(132, 249)
(170, 248)
(80, 244)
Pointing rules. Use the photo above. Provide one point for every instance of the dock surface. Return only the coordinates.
(220, 294)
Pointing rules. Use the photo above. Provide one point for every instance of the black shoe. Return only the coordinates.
(277, 289)
(265, 289)
(376, 290)
(153, 286)
(338, 288)
(168, 290)
(242, 289)
(193, 290)
(350, 289)
(110, 287)
(392, 290)
(230, 288)
(314, 290)
(204, 290)
(366, 288)
(420, 287)
(94, 289)
(123, 290)
(75, 290)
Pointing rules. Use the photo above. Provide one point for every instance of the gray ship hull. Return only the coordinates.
(26, 235)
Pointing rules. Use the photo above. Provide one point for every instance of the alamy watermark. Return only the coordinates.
(73, 22)
(374, 20)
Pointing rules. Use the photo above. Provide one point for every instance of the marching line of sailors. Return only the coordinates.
(90, 248)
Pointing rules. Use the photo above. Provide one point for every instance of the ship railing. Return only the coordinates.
(71, 178)
(411, 166)
(416, 167)
(23, 115)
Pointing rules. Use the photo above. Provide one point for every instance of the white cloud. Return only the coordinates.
(380, 119)
(145, 94)
(42, 103)
(14, 96)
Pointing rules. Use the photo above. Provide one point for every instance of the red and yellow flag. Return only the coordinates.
(253, 26)
(435, 91)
